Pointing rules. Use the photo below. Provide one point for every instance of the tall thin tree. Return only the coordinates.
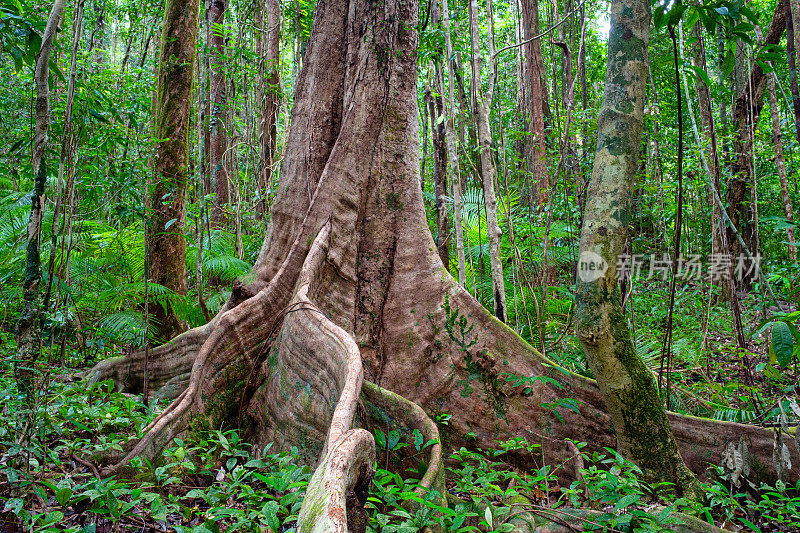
(643, 430)
(27, 331)
(167, 196)
(483, 100)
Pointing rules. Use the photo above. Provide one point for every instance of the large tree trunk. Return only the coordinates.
(167, 199)
(27, 331)
(349, 268)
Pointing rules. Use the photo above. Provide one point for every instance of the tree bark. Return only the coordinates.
(777, 139)
(538, 109)
(269, 96)
(452, 153)
(167, 199)
(27, 330)
(629, 391)
(217, 128)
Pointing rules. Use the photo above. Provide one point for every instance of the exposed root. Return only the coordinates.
(347, 468)
(312, 395)
(528, 518)
(499, 350)
(412, 416)
(237, 336)
(164, 363)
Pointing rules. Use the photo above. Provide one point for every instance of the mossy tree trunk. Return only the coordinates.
(629, 390)
(27, 331)
(167, 198)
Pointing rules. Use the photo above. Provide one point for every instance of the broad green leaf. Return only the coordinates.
(782, 343)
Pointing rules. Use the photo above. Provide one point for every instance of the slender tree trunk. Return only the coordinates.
(747, 109)
(167, 198)
(452, 152)
(437, 118)
(643, 430)
(710, 138)
(535, 146)
(218, 123)
(791, 53)
(67, 148)
(269, 96)
(483, 102)
(27, 331)
(777, 139)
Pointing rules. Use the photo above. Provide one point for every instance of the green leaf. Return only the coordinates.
(728, 62)
(700, 74)
(418, 439)
(749, 524)
(626, 501)
(63, 495)
(393, 439)
(270, 512)
(782, 343)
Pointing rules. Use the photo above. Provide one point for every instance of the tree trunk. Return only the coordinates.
(710, 138)
(437, 118)
(483, 103)
(167, 199)
(269, 96)
(746, 111)
(348, 278)
(452, 153)
(643, 430)
(535, 147)
(779, 162)
(792, 43)
(67, 150)
(217, 127)
(27, 331)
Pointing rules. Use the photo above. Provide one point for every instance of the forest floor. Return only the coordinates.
(212, 482)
